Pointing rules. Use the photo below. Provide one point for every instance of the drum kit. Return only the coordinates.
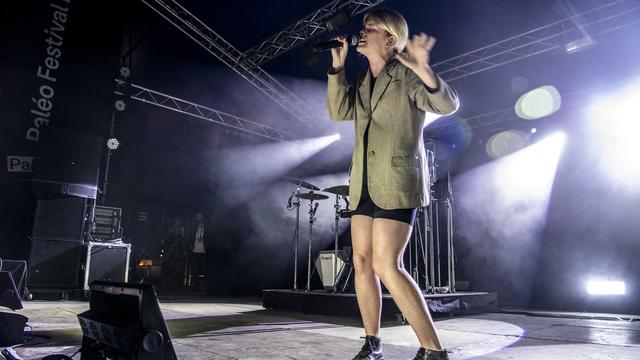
(424, 253)
(340, 191)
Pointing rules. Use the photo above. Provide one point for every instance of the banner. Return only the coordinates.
(57, 69)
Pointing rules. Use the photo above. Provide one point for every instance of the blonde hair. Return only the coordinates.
(392, 22)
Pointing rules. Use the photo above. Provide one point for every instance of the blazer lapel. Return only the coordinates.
(382, 82)
(365, 92)
(365, 98)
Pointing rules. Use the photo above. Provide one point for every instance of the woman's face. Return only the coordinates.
(373, 40)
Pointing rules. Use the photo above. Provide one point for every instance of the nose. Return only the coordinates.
(361, 33)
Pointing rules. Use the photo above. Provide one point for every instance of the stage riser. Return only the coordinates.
(345, 305)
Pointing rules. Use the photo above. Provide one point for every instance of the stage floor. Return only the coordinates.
(213, 328)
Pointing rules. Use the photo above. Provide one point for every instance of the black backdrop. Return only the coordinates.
(75, 47)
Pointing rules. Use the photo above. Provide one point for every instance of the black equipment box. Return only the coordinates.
(105, 261)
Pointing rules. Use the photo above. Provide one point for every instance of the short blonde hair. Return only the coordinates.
(392, 22)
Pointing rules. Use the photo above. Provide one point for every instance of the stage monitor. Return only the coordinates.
(12, 329)
(331, 268)
(124, 322)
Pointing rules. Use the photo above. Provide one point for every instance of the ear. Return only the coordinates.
(392, 40)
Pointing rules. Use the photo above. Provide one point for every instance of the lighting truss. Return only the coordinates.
(602, 19)
(497, 120)
(307, 27)
(162, 100)
(194, 28)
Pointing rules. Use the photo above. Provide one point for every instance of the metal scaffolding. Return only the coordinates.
(304, 29)
(611, 16)
(500, 118)
(602, 19)
(230, 56)
(173, 103)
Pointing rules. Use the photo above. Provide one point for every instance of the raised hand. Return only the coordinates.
(339, 55)
(418, 51)
(417, 58)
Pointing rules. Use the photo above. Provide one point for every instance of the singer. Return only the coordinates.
(389, 179)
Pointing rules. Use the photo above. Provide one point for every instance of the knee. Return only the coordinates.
(362, 264)
(384, 268)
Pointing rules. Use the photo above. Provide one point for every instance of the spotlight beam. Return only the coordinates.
(247, 170)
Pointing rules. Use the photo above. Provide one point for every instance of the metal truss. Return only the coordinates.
(230, 56)
(173, 103)
(307, 27)
(499, 119)
(611, 16)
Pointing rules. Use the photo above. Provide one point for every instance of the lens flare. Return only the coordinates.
(538, 103)
(601, 287)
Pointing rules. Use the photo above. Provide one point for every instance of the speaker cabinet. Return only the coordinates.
(67, 163)
(60, 218)
(54, 264)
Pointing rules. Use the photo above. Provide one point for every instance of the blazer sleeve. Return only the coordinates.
(443, 100)
(340, 96)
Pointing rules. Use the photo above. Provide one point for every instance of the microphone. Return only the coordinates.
(289, 201)
(352, 40)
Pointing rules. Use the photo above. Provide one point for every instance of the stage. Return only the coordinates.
(240, 328)
(320, 302)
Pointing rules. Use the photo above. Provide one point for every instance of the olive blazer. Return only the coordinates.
(397, 174)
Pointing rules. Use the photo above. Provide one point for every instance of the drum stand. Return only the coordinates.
(433, 234)
(335, 247)
(300, 183)
(296, 236)
(312, 218)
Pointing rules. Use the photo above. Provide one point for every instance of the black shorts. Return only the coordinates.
(367, 207)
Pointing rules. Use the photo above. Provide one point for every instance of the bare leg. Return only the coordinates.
(367, 283)
(390, 238)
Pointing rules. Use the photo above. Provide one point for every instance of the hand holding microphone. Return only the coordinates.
(339, 48)
(336, 42)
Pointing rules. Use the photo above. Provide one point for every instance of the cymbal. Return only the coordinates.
(300, 182)
(338, 190)
(311, 196)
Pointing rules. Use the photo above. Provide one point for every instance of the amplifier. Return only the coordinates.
(105, 261)
(106, 223)
(331, 267)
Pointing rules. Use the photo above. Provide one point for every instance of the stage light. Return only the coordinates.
(538, 103)
(534, 130)
(505, 143)
(601, 287)
(580, 45)
(113, 144)
(614, 129)
(125, 72)
(124, 321)
(335, 136)
(120, 105)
